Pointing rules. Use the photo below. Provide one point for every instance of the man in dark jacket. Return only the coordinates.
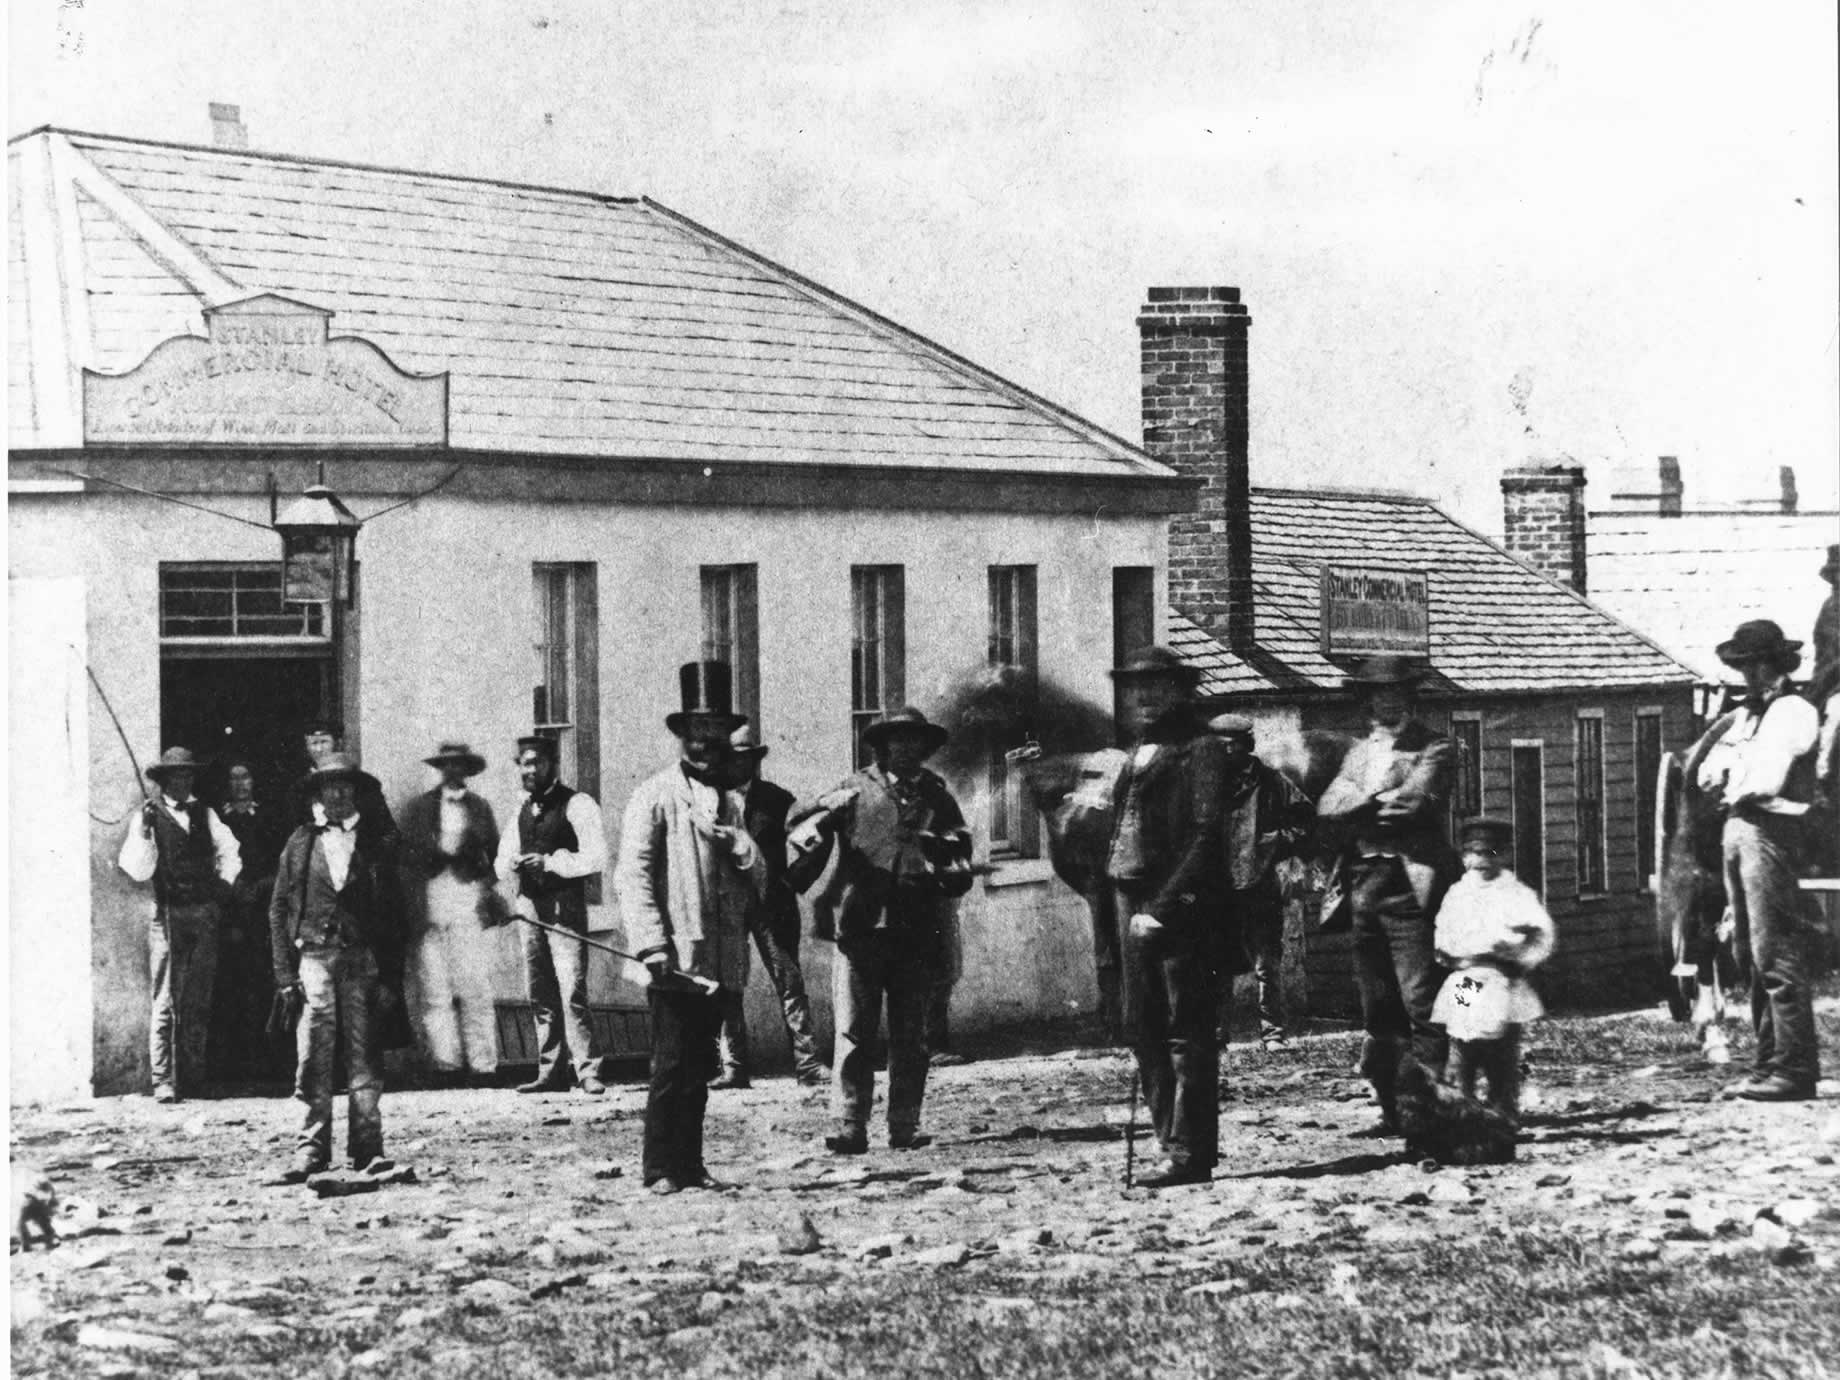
(1386, 812)
(904, 859)
(1165, 864)
(774, 925)
(338, 952)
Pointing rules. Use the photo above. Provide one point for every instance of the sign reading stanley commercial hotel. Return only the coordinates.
(1366, 611)
(269, 373)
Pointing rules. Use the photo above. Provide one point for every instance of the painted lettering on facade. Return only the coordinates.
(1367, 611)
(268, 373)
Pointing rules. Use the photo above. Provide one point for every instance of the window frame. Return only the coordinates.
(887, 612)
(1013, 825)
(1648, 794)
(1521, 833)
(1591, 845)
(306, 642)
(731, 602)
(1466, 803)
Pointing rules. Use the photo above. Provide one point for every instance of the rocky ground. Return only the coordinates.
(1645, 1228)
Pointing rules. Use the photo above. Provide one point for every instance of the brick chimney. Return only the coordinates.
(1195, 389)
(1543, 519)
(1672, 489)
(227, 130)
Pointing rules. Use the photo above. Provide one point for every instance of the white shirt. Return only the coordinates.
(590, 855)
(453, 819)
(140, 854)
(339, 841)
(1753, 760)
(1379, 757)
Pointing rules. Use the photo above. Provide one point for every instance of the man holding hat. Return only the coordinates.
(556, 844)
(904, 859)
(178, 843)
(1759, 765)
(450, 844)
(689, 878)
(338, 952)
(1167, 868)
(1264, 820)
(774, 924)
(1387, 807)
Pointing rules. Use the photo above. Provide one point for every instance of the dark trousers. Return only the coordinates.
(1499, 1061)
(685, 1027)
(901, 967)
(776, 939)
(1173, 1001)
(1397, 972)
(1767, 906)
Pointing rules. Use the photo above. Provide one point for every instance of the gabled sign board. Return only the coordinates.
(1369, 611)
(268, 373)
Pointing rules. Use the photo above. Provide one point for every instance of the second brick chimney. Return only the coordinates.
(1543, 519)
(1195, 420)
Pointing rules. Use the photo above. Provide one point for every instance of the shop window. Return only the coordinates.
(1527, 792)
(233, 601)
(1588, 763)
(1133, 621)
(1466, 785)
(1015, 829)
(1648, 791)
(731, 630)
(878, 648)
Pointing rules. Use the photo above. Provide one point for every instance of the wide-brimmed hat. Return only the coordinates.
(905, 720)
(457, 753)
(338, 766)
(1224, 724)
(708, 688)
(1487, 828)
(1385, 669)
(546, 743)
(1832, 568)
(1760, 640)
(745, 742)
(1146, 662)
(172, 760)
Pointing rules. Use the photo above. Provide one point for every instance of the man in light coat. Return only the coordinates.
(688, 878)
(1387, 812)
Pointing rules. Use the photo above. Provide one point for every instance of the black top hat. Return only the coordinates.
(1487, 828)
(172, 760)
(1157, 661)
(1832, 568)
(705, 687)
(1385, 669)
(905, 720)
(544, 743)
(1760, 640)
(458, 753)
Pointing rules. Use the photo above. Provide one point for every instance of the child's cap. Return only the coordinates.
(1484, 829)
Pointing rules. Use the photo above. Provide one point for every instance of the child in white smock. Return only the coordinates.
(1491, 930)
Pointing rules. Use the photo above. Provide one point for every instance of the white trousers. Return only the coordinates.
(451, 1004)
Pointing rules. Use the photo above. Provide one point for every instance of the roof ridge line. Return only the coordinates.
(1346, 491)
(310, 161)
(943, 355)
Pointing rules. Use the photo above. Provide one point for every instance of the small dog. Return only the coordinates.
(35, 1203)
(1443, 1124)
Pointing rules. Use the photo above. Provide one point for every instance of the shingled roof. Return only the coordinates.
(572, 323)
(1497, 626)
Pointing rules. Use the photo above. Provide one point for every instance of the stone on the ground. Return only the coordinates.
(491, 1293)
(119, 1339)
(1796, 1213)
(801, 1238)
(949, 1256)
(1642, 1248)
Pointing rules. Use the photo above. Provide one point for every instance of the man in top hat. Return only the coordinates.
(450, 847)
(1758, 763)
(1387, 811)
(556, 843)
(774, 924)
(904, 859)
(178, 843)
(689, 879)
(1264, 820)
(338, 948)
(1824, 694)
(1168, 872)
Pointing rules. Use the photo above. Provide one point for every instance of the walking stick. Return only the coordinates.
(707, 987)
(1130, 1131)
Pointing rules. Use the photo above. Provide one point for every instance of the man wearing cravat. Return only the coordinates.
(338, 953)
(450, 844)
(181, 846)
(1167, 869)
(554, 846)
(1387, 810)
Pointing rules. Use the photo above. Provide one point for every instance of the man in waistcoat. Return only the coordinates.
(554, 846)
(774, 924)
(178, 843)
(450, 847)
(689, 879)
(1760, 768)
(338, 954)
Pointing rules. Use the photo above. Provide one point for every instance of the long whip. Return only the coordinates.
(707, 986)
(1130, 1131)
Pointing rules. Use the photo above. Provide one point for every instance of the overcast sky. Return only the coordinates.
(1470, 233)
